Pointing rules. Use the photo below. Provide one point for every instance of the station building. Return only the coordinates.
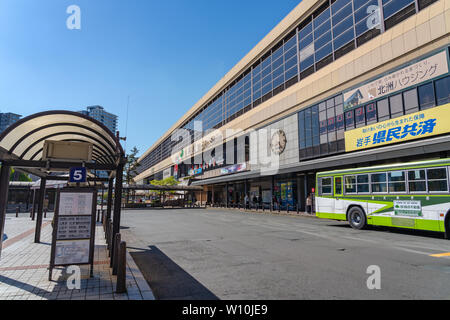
(336, 84)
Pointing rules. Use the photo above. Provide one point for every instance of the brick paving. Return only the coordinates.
(24, 269)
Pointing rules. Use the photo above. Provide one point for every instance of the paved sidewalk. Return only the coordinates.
(24, 269)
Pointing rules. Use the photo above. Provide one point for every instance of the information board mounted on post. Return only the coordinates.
(73, 240)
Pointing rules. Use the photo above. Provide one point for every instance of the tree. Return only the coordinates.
(170, 181)
(130, 168)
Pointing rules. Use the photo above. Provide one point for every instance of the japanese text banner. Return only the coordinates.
(412, 75)
(417, 125)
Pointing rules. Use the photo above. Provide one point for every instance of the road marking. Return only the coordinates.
(440, 255)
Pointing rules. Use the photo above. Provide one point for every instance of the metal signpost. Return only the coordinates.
(73, 238)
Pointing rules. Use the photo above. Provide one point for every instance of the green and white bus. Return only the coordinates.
(409, 195)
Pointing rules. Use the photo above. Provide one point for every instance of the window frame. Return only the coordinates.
(356, 184)
(405, 181)
(385, 183)
(331, 186)
(368, 183)
(426, 181)
(446, 179)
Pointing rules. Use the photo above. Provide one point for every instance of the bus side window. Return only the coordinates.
(437, 180)
(397, 181)
(338, 185)
(379, 182)
(350, 184)
(326, 186)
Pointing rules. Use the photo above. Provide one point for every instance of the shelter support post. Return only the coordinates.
(117, 207)
(109, 201)
(4, 187)
(37, 235)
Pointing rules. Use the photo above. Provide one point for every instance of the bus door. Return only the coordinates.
(338, 194)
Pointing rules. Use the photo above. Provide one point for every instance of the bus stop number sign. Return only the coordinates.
(77, 175)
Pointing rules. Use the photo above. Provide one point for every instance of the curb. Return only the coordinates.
(274, 213)
(144, 288)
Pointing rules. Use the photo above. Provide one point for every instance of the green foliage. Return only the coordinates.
(170, 181)
(130, 168)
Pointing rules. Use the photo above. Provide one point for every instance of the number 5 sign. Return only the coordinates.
(77, 175)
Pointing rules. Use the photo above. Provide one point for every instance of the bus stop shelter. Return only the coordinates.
(22, 146)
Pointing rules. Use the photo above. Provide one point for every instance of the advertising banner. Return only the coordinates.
(413, 126)
(233, 169)
(408, 208)
(411, 75)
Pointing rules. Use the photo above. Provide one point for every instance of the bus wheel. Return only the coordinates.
(356, 218)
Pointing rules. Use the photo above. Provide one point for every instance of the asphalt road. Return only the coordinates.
(220, 254)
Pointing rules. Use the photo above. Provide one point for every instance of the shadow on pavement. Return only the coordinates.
(410, 232)
(167, 279)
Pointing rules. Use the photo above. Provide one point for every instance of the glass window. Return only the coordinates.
(306, 41)
(383, 110)
(426, 96)
(321, 18)
(349, 120)
(342, 25)
(277, 63)
(290, 43)
(290, 63)
(322, 53)
(323, 29)
(276, 73)
(396, 181)
(417, 181)
(362, 10)
(340, 121)
(443, 91)
(379, 182)
(396, 104)
(350, 184)
(363, 183)
(301, 129)
(393, 6)
(371, 113)
(326, 187)
(291, 73)
(315, 125)
(346, 37)
(331, 124)
(291, 53)
(320, 42)
(360, 118)
(308, 130)
(437, 180)
(411, 101)
(278, 81)
(339, 4)
(277, 53)
(338, 185)
(305, 31)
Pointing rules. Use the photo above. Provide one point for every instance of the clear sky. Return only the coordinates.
(165, 55)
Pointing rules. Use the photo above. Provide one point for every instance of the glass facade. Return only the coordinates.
(334, 29)
(330, 126)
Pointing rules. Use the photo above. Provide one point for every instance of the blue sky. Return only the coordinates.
(165, 55)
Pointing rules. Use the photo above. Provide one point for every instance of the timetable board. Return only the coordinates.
(74, 228)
